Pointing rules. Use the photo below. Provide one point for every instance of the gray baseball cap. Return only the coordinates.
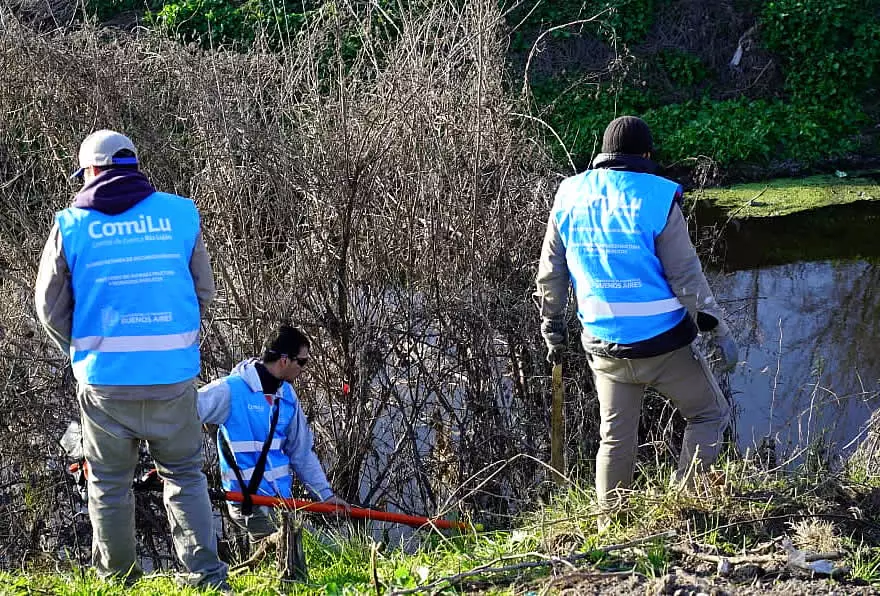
(99, 148)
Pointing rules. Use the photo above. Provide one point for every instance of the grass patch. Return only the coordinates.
(785, 196)
(865, 562)
(74, 583)
(744, 511)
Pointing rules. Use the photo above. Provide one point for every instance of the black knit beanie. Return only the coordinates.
(627, 134)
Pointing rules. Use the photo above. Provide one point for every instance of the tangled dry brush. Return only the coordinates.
(392, 202)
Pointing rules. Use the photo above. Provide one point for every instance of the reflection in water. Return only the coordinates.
(808, 333)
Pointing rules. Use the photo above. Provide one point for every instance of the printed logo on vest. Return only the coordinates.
(143, 225)
(109, 318)
(147, 317)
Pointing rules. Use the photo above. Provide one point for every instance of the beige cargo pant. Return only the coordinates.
(682, 376)
(112, 431)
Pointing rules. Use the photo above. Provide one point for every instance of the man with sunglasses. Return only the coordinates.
(263, 434)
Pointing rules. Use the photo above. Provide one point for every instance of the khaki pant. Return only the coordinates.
(112, 431)
(682, 376)
(259, 524)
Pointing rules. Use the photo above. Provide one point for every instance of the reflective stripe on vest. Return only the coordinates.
(136, 343)
(269, 475)
(254, 446)
(594, 308)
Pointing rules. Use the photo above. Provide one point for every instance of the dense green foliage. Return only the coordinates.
(829, 54)
(683, 69)
(221, 22)
(730, 131)
(234, 23)
(627, 21)
(831, 50)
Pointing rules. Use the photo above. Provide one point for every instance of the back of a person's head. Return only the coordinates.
(285, 340)
(106, 149)
(628, 135)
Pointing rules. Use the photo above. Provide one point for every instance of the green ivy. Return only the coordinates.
(740, 130)
(209, 22)
(628, 21)
(830, 55)
(231, 23)
(683, 69)
(830, 50)
(745, 130)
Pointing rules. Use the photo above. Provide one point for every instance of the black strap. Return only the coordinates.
(257, 476)
(247, 504)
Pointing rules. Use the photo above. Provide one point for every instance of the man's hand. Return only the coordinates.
(726, 347)
(334, 500)
(554, 354)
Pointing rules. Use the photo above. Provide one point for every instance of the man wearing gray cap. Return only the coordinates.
(123, 280)
(617, 234)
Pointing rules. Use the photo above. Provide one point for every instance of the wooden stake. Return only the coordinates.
(557, 427)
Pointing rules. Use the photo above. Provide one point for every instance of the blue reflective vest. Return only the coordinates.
(608, 221)
(136, 314)
(246, 429)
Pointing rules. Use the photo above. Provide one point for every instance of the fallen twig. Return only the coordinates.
(733, 560)
(631, 543)
(254, 561)
(549, 560)
(752, 558)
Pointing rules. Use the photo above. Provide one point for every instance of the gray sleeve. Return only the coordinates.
(203, 277)
(683, 271)
(552, 281)
(53, 292)
(298, 445)
(213, 402)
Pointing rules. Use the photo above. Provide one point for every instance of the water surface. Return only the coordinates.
(802, 296)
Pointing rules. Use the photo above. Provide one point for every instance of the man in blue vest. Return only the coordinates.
(123, 280)
(254, 402)
(617, 234)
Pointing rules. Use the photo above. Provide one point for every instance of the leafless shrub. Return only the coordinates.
(380, 193)
(386, 194)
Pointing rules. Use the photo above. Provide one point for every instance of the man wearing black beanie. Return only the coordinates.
(617, 234)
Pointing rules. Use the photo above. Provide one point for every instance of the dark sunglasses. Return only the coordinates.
(300, 361)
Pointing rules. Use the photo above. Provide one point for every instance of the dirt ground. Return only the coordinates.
(746, 580)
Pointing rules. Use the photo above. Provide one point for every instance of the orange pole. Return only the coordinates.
(356, 512)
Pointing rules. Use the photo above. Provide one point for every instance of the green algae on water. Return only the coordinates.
(784, 196)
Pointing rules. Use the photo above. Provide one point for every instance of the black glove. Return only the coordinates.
(554, 354)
